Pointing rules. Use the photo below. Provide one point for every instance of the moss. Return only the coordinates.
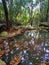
(4, 34)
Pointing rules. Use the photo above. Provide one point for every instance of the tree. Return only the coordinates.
(47, 13)
(41, 10)
(31, 20)
(1, 12)
(6, 14)
(11, 12)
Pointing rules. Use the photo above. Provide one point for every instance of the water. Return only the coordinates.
(33, 46)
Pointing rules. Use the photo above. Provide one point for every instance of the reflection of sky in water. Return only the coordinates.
(30, 63)
(0, 0)
(24, 51)
(34, 52)
(47, 50)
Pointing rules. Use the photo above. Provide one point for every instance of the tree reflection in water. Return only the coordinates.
(32, 49)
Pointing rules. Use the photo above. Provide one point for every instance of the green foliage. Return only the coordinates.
(1, 12)
(20, 11)
(4, 34)
(23, 17)
(36, 16)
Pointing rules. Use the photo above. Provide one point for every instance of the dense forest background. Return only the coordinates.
(25, 12)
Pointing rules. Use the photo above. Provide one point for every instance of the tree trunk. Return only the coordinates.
(41, 14)
(47, 12)
(11, 11)
(6, 14)
(31, 20)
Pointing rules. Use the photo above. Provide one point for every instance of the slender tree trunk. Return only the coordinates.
(47, 12)
(40, 5)
(6, 14)
(11, 11)
(31, 20)
(41, 19)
